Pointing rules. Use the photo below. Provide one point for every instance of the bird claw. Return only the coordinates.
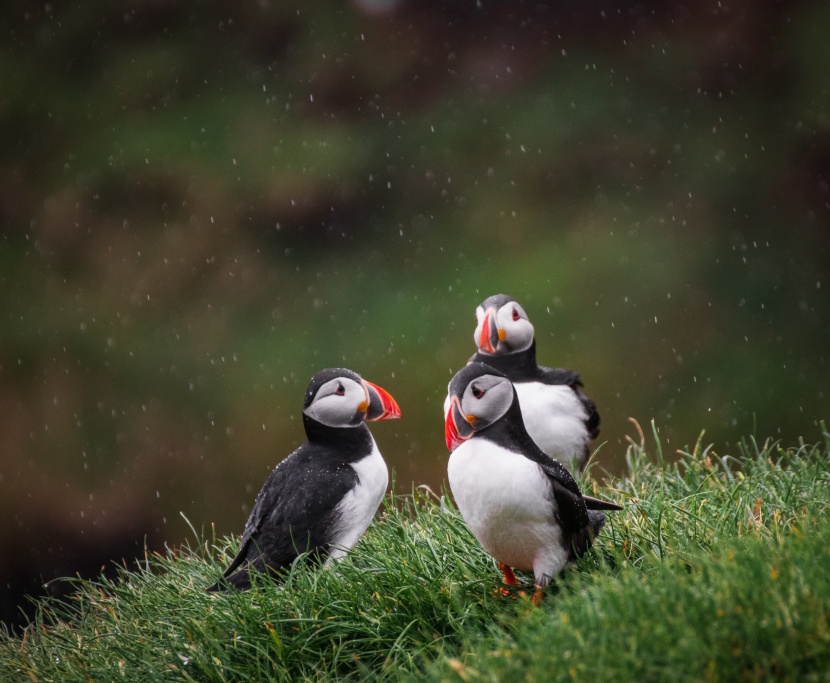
(510, 591)
(517, 592)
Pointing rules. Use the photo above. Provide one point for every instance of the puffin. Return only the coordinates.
(560, 418)
(523, 506)
(322, 497)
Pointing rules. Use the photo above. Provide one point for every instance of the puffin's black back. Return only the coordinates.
(521, 366)
(293, 513)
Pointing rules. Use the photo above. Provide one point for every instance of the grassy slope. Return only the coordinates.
(715, 571)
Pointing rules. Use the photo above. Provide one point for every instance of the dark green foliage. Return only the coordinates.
(715, 570)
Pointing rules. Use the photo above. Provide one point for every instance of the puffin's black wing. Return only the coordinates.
(569, 507)
(556, 471)
(265, 501)
(574, 381)
(579, 515)
(573, 517)
(292, 513)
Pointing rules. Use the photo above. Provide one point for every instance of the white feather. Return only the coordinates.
(555, 419)
(507, 501)
(357, 508)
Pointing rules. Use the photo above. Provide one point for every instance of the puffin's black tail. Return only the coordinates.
(597, 504)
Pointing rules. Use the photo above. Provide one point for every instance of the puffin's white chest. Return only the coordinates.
(555, 419)
(506, 500)
(357, 508)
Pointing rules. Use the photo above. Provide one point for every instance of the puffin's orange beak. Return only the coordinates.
(489, 337)
(457, 427)
(380, 405)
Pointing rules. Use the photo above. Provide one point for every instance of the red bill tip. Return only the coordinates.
(452, 436)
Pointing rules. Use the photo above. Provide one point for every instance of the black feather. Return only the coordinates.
(598, 504)
(292, 514)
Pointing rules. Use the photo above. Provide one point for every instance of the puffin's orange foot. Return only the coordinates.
(509, 576)
(538, 596)
(504, 592)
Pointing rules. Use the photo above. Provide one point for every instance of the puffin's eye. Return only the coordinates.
(515, 314)
(477, 392)
(340, 391)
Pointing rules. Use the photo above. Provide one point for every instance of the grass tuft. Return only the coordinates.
(715, 570)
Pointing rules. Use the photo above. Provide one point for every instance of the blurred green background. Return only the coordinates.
(201, 204)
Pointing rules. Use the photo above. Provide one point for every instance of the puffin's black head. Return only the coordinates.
(479, 397)
(502, 326)
(338, 397)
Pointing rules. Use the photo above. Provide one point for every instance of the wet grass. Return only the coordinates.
(716, 570)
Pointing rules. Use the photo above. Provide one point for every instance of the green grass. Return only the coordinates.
(716, 570)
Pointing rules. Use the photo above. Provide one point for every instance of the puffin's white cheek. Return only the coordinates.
(334, 411)
(504, 319)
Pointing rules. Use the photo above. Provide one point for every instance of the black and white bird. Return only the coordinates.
(322, 497)
(559, 417)
(523, 506)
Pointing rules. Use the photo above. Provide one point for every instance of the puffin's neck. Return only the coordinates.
(353, 442)
(517, 366)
